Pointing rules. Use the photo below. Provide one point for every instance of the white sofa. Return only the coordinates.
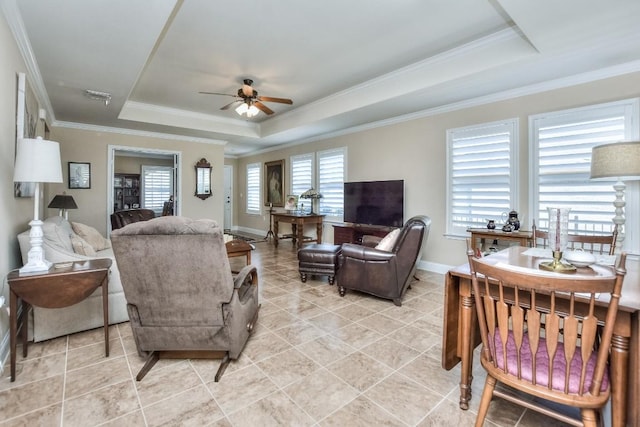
(50, 323)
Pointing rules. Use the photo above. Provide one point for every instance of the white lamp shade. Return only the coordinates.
(619, 160)
(37, 160)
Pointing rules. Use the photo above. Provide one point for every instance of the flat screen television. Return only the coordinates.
(374, 203)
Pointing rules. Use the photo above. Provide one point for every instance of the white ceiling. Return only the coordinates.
(345, 64)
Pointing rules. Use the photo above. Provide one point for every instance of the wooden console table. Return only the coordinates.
(479, 235)
(297, 222)
(460, 337)
(61, 286)
(352, 233)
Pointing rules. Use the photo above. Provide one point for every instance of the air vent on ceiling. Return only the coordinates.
(98, 96)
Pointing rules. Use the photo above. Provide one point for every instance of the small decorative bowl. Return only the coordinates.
(579, 258)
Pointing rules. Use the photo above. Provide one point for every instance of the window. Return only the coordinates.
(331, 182)
(301, 173)
(561, 163)
(253, 188)
(157, 187)
(481, 177)
(326, 176)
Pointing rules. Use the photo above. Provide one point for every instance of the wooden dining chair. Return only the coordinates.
(566, 362)
(597, 244)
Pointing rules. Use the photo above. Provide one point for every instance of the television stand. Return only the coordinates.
(352, 233)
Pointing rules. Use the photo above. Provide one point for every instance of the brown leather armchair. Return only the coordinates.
(182, 300)
(121, 218)
(382, 273)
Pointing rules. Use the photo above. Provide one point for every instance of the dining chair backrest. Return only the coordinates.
(566, 360)
(596, 243)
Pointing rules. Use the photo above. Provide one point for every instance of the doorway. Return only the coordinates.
(228, 200)
(142, 178)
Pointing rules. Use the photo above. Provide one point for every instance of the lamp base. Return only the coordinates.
(556, 265)
(36, 263)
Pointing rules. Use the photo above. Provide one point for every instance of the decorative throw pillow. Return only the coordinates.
(388, 241)
(91, 235)
(81, 246)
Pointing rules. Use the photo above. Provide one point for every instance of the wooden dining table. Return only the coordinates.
(460, 330)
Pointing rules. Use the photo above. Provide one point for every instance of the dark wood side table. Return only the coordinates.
(64, 284)
(297, 225)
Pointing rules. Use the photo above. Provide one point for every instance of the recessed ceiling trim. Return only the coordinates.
(135, 132)
(502, 47)
(604, 73)
(147, 113)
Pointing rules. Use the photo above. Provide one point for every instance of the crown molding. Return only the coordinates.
(16, 25)
(134, 132)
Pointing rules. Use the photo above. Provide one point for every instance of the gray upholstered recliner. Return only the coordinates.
(182, 300)
(386, 274)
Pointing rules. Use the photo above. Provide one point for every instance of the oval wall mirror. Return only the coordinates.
(203, 179)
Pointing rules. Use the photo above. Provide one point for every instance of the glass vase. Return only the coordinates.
(558, 237)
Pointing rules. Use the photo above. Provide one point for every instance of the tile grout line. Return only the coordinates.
(64, 381)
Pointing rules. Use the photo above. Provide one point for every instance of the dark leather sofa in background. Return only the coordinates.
(121, 218)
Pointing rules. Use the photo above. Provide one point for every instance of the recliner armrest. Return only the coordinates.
(246, 278)
(350, 250)
(370, 240)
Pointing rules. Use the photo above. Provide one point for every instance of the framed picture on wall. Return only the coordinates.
(26, 121)
(79, 175)
(274, 183)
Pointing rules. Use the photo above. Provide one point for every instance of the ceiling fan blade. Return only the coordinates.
(216, 93)
(226, 107)
(271, 99)
(263, 107)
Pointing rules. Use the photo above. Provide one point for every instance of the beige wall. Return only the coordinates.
(90, 146)
(416, 152)
(15, 213)
(124, 164)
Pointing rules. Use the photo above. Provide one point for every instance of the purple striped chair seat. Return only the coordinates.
(542, 364)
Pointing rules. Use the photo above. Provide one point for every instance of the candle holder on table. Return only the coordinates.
(558, 237)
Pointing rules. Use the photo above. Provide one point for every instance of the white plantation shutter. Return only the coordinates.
(157, 187)
(331, 171)
(253, 188)
(481, 181)
(561, 156)
(301, 173)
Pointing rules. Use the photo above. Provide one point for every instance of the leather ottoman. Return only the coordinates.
(319, 259)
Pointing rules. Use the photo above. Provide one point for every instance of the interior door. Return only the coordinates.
(228, 191)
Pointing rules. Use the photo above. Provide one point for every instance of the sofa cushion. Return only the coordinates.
(91, 235)
(57, 232)
(81, 246)
(388, 241)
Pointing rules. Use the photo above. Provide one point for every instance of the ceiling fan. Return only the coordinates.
(248, 97)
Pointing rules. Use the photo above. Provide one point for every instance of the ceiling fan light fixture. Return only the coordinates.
(247, 110)
(252, 111)
(242, 108)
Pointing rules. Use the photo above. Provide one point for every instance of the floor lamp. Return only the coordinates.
(620, 160)
(37, 161)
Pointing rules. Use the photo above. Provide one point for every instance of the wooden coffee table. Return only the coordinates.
(236, 248)
(64, 284)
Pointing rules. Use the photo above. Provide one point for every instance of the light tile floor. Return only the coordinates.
(315, 359)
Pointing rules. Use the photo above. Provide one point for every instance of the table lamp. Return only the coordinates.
(37, 160)
(313, 195)
(620, 160)
(63, 202)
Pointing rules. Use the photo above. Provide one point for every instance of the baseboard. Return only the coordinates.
(4, 353)
(434, 267)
